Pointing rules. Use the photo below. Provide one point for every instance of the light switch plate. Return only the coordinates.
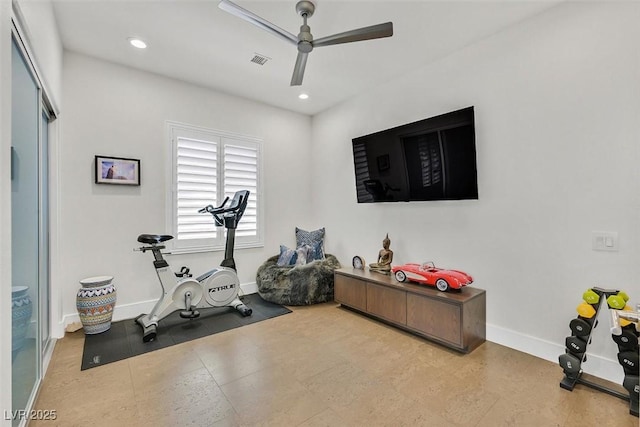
(604, 241)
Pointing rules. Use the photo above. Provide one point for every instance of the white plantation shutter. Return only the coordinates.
(207, 167)
(241, 173)
(197, 180)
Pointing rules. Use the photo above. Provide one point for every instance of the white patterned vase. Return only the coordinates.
(95, 302)
(21, 310)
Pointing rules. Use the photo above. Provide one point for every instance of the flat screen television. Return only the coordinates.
(431, 159)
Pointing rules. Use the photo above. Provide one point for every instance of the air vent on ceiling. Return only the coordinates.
(260, 59)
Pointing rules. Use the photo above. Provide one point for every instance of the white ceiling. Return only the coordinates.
(197, 42)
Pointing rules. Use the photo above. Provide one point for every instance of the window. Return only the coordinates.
(207, 166)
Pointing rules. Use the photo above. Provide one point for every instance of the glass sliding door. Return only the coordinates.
(44, 282)
(29, 231)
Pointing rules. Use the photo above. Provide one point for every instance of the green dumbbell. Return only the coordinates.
(590, 297)
(616, 302)
(624, 295)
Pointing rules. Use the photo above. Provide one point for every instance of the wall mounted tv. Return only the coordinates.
(432, 159)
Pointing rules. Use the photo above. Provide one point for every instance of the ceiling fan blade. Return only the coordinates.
(298, 70)
(365, 33)
(254, 19)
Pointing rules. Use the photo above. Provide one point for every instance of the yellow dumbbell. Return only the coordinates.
(586, 310)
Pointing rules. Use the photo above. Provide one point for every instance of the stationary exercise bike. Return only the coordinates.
(216, 288)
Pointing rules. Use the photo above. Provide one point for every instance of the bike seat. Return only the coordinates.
(152, 239)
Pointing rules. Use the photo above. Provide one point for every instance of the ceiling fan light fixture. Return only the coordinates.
(137, 43)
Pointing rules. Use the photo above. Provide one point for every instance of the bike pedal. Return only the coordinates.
(189, 314)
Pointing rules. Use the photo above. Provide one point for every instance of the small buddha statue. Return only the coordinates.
(385, 256)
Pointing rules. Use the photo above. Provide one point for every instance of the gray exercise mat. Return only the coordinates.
(124, 338)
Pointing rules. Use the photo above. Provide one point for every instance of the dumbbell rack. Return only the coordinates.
(576, 346)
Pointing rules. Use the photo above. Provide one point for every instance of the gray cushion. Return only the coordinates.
(287, 256)
(311, 283)
(314, 238)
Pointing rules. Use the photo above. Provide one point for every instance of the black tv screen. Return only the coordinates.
(432, 159)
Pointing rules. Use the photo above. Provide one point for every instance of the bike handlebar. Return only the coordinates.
(217, 210)
(237, 206)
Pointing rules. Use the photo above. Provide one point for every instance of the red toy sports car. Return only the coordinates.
(427, 273)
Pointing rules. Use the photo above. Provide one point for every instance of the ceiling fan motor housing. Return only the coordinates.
(305, 7)
(305, 39)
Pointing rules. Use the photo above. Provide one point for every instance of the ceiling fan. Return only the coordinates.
(304, 40)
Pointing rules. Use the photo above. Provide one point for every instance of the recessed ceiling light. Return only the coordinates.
(135, 42)
(303, 96)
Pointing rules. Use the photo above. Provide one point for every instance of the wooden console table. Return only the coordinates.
(454, 319)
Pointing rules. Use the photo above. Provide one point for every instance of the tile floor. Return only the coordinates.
(319, 366)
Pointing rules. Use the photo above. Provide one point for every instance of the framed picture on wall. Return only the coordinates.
(117, 170)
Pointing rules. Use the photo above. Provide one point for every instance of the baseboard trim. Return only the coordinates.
(598, 366)
(249, 288)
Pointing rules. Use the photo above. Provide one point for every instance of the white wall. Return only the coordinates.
(556, 113)
(118, 111)
(557, 109)
(41, 29)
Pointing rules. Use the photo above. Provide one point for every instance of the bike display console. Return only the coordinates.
(454, 319)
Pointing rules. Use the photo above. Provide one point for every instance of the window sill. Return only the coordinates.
(203, 249)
